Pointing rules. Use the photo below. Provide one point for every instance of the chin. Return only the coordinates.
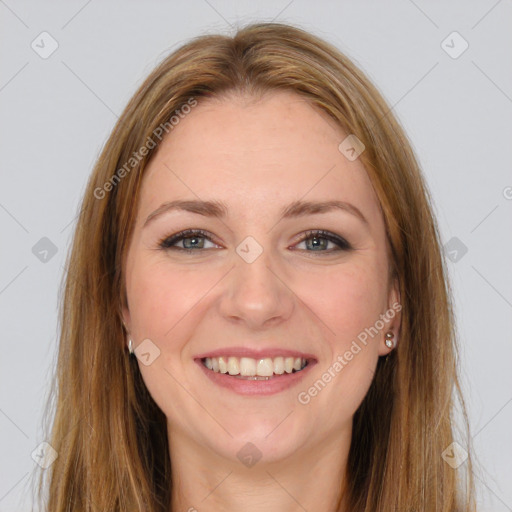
(267, 442)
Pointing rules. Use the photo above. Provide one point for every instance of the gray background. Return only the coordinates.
(56, 113)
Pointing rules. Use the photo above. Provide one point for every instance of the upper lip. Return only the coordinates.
(256, 354)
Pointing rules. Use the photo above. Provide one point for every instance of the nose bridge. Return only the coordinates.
(256, 293)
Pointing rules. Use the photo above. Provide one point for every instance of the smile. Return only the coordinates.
(254, 369)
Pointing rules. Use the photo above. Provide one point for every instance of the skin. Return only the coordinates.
(271, 151)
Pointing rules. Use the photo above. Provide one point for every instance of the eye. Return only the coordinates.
(320, 240)
(192, 239)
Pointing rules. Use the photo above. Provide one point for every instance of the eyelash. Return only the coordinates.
(168, 242)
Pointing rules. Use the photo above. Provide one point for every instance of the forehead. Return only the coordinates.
(256, 155)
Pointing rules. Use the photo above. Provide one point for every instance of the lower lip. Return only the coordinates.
(276, 384)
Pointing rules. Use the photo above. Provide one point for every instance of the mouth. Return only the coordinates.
(266, 373)
(248, 368)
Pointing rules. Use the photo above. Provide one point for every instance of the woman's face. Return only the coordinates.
(255, 286)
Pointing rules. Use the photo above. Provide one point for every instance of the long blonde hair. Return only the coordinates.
(110, 435)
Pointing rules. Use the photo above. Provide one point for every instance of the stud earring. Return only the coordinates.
(389, 340)
(130, 346)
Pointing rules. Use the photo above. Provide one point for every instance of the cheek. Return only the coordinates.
(346, 302)
(347, 299)
(163, 297)
(164, 302)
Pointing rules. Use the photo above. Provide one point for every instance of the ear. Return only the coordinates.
(125, 317)
(394, 316)
(125, 314)
(395, 303)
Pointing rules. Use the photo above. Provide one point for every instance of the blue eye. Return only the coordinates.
(320, 239)
(194, 240)
(191, 240)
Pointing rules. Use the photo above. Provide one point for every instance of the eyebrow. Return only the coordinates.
(218, 209)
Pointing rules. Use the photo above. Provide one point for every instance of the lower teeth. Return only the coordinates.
(258, 377)
(255, 377)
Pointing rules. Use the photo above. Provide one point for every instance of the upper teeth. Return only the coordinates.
(249, 367)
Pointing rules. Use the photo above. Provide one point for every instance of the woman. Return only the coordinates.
(256, 310)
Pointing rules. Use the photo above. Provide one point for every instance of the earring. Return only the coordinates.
(389, 340)
(130, 346)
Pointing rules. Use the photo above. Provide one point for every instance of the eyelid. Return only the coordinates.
(167, 241)
(342, 244)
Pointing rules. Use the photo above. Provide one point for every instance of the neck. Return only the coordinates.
(310, 479)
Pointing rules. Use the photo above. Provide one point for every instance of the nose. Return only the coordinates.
(256, 294)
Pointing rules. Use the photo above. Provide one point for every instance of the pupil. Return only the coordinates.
(186, 242)
(317, 242)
